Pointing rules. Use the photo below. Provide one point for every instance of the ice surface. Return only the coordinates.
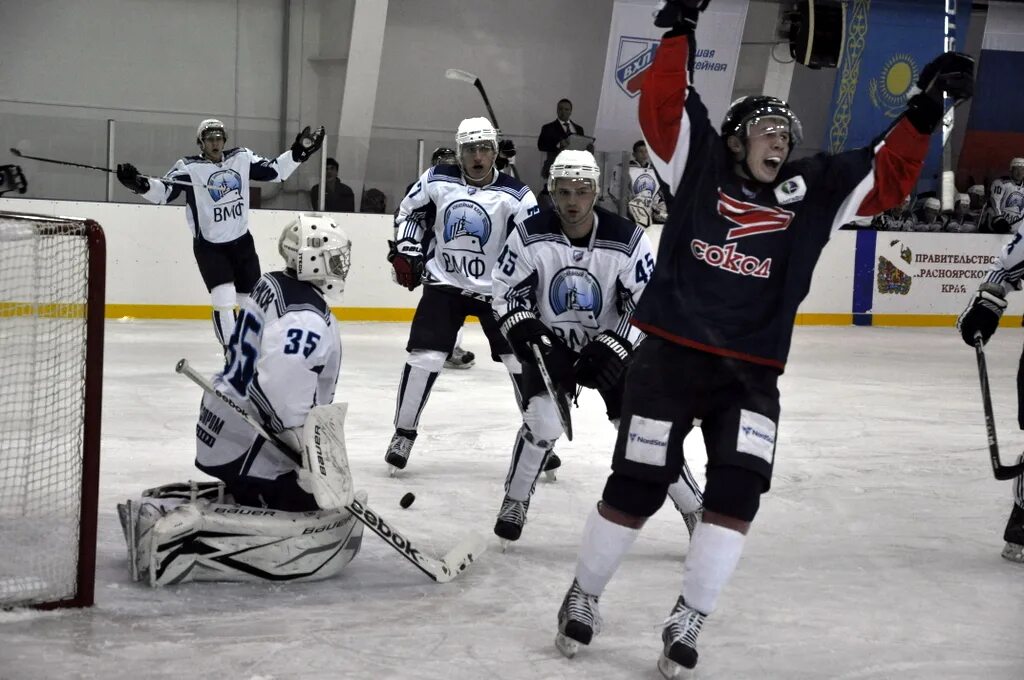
(876, 554)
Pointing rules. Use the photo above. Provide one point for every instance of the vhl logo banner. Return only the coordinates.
(634, 58)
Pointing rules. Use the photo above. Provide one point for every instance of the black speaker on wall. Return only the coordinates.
(817, 29)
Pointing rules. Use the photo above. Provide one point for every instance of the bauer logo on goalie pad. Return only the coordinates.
(756, 435)
(647, 440)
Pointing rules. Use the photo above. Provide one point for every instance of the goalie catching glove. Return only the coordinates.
(982, 316)
(406, 258)
(603, 361)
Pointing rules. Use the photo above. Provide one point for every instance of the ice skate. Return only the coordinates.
(551, 463)
(399, 449)
(680, 637)
(578, 620)
(511, 518)
(1014, 535)
(460, 359)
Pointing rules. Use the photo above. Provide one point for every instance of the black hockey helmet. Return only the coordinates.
(746, 110)
(443, 152)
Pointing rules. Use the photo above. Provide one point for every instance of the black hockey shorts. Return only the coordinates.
(669, 385)
(441, 313)
(232, 262)
(283, 493)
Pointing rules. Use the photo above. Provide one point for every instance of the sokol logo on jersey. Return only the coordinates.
(752, 219)
(727, 258)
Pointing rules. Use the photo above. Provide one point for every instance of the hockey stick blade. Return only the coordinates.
(1000, 471)
(459, 74)
(561, 403)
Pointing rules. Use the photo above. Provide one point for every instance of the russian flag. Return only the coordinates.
(995, 125)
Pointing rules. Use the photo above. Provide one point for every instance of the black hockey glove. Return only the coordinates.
(1001, 225)
(12, 179)
(507, 148)
(603, 361)
(307, 143)
(983, 314)
(524, 330)
(679, 15)
(950, 72)
(128, 175)
(406, 258)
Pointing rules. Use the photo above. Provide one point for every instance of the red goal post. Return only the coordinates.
(51, 374)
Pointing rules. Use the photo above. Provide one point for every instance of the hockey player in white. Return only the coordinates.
(1006, 201)
(567, 281)
(449, 230)
(216, 189)
(644, 201)
(981, 318)
(260, 522)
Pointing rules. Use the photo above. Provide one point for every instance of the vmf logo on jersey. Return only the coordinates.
(634, 58)
(644, 183)
(223, 183)
(576, 290)
(467, 226)
(889, 90)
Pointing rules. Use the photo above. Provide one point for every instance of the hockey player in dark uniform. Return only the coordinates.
(744, 232)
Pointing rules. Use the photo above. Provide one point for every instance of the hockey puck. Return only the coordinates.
(407, 500)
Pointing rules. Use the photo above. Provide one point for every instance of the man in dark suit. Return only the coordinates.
(554, 137)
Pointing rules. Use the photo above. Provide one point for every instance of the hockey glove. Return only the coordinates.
(1001, 225)
(950, 72)
(524, 330)
(679, 15)
(12, 179)
(983, 314)
(603, 361)
(406, 258)
(307, 143)
(128, 175)
(507, 148)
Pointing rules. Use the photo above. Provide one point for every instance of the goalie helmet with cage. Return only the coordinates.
(318, 251)
(475, 131)
(208, 127)
(746, 111)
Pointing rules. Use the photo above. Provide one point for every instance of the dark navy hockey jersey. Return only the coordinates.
(733, 266)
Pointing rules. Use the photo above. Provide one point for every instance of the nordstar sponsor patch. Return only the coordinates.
(756, 435)
(647, 440)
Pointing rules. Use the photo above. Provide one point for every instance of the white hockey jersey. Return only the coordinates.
(1006, 199)
(642, 184)
(461, 228)
(1008, 269)
(283, 359)
(218, 202)
(578, 291)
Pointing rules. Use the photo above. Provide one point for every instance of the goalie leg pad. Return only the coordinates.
(205, 541)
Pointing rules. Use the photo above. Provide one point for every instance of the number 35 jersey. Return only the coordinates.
(577, 290)
(464, 225)
(217, 203)
(283, 359)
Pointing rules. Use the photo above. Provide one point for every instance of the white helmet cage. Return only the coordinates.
(571, 164)
(318, 251)
(475, 130)
(208, 125)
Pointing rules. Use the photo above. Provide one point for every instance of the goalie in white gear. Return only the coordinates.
(448, 231)
(283, 360)
(644, 201)
(566, 281)
(216, 188)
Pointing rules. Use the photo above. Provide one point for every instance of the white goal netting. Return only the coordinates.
(47, 429)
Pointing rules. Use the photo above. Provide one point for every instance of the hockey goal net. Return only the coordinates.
(51, 366)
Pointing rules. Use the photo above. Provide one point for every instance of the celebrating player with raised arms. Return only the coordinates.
(449, 230)
(283, 360)
(216, 189)
(567, 281)
(745, 229)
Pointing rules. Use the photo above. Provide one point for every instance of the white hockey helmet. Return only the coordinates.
(210, 125)
(932, 203)
(475, 130)
(976, 190)
(1017, 163)
(571, 164)
(317, 250)
(963, 198)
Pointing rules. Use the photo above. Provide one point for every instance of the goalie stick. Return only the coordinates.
(441, 570)
(1001, 472)
(561, 400)
(102, 169)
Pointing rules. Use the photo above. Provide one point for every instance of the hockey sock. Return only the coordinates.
(685, 492)
(604, 545)
(222, 298)
(418, 377)
(714, 553)
(1018, 485)
(527, 459)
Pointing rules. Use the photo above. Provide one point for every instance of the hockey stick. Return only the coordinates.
(561, 402)
(441, 569)
(472, 79)
(1001, 472)
(102, 169)
(947, 187)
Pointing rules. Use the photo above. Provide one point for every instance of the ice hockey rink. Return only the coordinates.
(876, 555)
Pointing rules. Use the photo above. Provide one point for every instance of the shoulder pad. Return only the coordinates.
(613, 229)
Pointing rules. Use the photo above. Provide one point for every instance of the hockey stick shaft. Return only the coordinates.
(561, 405)
(102, 169)
(440, 570)
(1000, 471)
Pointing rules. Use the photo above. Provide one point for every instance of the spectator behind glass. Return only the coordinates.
(554, 137)
(338, 196)
(374, 201)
